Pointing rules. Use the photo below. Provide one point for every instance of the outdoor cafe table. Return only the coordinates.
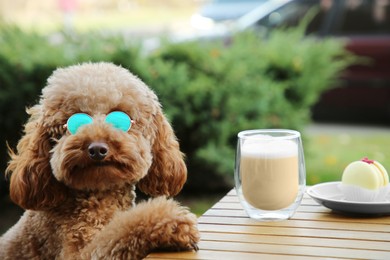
(314, 232)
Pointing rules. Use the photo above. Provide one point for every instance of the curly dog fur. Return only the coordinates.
(78, 208)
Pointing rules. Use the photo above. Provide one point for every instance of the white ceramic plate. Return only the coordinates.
(329, 195)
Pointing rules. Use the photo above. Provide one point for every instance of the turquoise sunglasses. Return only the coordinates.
(117, 119)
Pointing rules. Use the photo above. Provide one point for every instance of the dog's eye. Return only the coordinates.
(76, 121)
(119, 120)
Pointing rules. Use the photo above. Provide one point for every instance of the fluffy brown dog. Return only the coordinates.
(78, 188)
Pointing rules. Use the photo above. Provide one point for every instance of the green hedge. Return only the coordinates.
(209, 90)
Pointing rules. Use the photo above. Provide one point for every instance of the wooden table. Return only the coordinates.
(313, 232)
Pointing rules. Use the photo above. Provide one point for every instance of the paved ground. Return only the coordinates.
(331, 128)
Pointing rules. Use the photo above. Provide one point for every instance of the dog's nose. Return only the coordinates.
(97, 151)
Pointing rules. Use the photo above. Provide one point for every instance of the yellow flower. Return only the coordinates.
(297, 64)
(331, 160)
(215, 53)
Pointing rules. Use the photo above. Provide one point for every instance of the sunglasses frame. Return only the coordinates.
(85, 114)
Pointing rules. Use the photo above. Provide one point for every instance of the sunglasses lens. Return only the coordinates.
(119, 120)
(78, 120)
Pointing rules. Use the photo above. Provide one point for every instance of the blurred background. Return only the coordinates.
(85, 15)
(221, 66)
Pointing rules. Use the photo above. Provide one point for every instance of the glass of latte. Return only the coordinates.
(270, 175)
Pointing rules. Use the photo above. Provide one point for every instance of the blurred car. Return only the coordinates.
(215, 11)
(365, 24)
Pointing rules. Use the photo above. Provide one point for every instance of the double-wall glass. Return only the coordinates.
(270, 175)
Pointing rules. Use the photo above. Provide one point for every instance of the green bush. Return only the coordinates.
(209, 90)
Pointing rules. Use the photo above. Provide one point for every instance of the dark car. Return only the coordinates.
(365, 24)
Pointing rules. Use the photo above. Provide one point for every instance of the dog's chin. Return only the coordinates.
(99, 176)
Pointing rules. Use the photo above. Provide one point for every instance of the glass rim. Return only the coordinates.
(289, 134)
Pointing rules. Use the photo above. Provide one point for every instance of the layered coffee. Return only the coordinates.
(269, 173)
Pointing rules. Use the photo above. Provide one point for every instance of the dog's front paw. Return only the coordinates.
(185, 234)
(176, 229)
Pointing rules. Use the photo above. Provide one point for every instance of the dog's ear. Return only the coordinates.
(168, 171)
(32, 184)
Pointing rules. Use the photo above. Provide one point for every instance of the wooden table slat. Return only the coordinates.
(302, 232)
(302, 208)
(297, 241)
(295, 224)
(314, 216)
(223, 255)
(233, 198)
(293, 250)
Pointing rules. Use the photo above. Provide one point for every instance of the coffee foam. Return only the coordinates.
(267, 147)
